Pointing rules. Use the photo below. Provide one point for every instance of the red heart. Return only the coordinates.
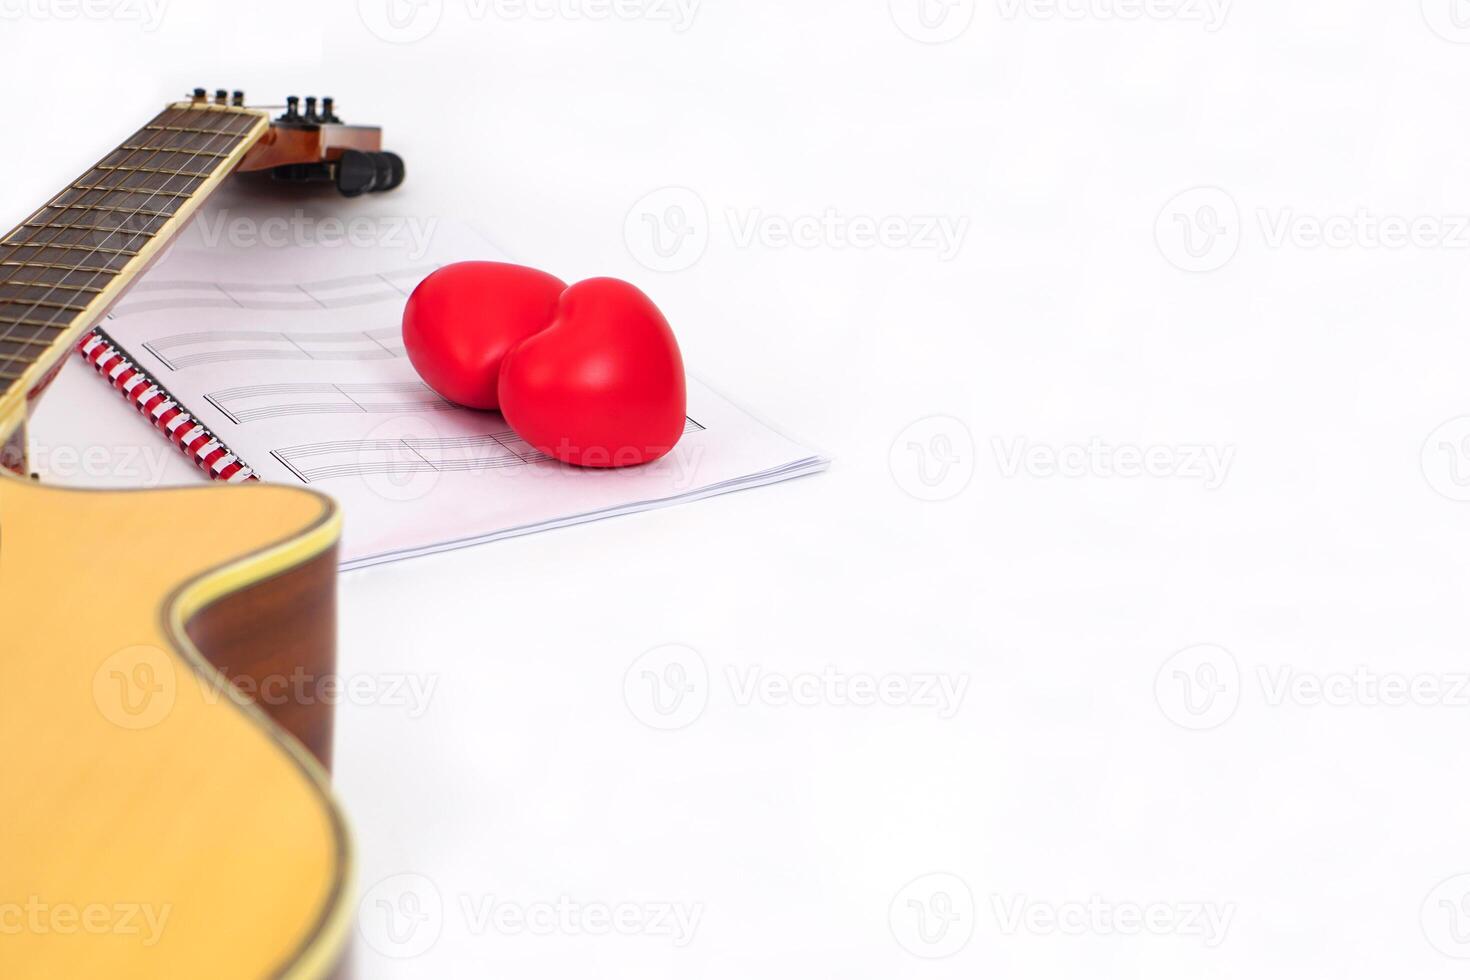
(460, 322)
(603, 385)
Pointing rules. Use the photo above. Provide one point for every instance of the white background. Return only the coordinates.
(1090, 313)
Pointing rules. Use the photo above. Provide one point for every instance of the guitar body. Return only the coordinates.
(140, 787)
(154, 822)
(167, 657)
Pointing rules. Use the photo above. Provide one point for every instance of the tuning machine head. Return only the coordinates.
(200, 96)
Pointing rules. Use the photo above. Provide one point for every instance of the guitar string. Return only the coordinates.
(60, 229)
(41, 329)
(207, 149)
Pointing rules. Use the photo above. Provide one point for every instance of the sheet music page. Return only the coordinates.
(293, 355)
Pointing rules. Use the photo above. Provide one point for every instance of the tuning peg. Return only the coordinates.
(221, 97)
(238, 98)
(200, 95)
(292, 113)
(329, 114)
(311, 115)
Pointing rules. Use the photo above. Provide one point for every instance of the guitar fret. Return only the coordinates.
(32, 303)
(27, 284)
(28, 341)
(191, 129)
(152, 170)
(112, 230)
(58, 266)
(94, 187)
(26, 322)
(81, 238)
(173, 149)
(99, 207)
(132, 224)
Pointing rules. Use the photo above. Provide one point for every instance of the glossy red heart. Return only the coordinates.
(603, 385)
(462, 320)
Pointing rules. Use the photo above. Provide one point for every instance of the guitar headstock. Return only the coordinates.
(311, 144)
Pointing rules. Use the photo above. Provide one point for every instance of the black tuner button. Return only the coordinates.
(311, 116)
(293, 110)
(221, 97)
(200, 95)
(329, 114)
(237, 98)
(360, 172)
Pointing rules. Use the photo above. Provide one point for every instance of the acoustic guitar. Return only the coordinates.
(155, 821)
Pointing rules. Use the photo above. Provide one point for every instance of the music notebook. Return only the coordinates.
(289, 368)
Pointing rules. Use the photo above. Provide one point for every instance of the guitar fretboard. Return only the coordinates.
(64, 263)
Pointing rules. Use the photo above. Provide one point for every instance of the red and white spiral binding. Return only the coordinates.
(161, 409)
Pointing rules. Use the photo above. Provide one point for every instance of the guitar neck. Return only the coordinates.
(63, 267)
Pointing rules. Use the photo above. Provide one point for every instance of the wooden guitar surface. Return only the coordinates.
(154, 822)
(167, 657)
